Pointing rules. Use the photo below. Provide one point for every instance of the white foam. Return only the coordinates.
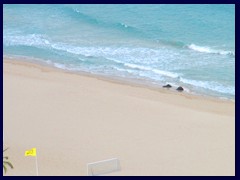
(124, 25)
(166, 73)
(135, 66)
(214, 86)
(28, 40)
(204, 49)
(117, 54)
(60, 66)
(124, 70)
(156, 71)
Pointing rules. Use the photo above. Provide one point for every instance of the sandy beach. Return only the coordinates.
(76, 119)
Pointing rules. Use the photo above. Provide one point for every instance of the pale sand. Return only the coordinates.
(74, 119)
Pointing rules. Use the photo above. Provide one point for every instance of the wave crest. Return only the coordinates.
(156, 71)
(203, 49)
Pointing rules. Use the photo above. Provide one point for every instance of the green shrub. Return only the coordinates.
(6, 163)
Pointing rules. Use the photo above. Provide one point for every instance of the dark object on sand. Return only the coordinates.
(167, 86)
(180, 88)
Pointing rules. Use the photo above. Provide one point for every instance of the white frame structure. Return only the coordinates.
(91, 173)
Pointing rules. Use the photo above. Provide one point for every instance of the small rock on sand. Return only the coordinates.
(167, 86)
(180, 88)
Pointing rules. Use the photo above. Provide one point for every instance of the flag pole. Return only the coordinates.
(36, 165)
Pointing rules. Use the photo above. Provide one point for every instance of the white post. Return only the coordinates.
(87, 170)
(36, 165)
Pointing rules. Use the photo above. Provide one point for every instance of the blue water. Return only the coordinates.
(185, 45)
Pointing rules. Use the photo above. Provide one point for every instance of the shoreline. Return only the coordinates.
(129, 81)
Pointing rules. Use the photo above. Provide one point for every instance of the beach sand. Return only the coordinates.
(76, 119)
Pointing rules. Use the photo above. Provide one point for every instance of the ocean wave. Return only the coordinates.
(25, 40)
(68, 67)
(41, 41)
(85, 17)
(95, 21)
(213, 86)
(204, 49)
(117, 54)
(156, 71)
(124, 70)
(134, 66)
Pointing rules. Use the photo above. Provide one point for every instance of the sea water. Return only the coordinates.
(183, 45)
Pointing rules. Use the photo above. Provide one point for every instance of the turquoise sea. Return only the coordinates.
(184, 45)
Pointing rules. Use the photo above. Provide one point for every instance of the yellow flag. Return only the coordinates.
(31, 152)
